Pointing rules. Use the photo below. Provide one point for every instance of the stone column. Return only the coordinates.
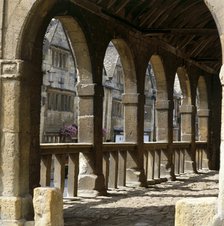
(14, 176)
(203, 115)
(203, 118)
(88, 174)
(140, 143)
(186, 116)
(219, 219)
(162, 108)
(186, 112)
(162, 135)
(130, 102)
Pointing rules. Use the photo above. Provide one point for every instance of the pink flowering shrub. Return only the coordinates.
(69, 131)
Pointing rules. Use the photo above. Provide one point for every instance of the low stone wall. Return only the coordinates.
(195, 211)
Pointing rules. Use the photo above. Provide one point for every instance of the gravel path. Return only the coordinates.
(128, 206)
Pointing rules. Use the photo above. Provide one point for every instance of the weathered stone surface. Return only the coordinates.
(162, 105)
(29, 223)
(85, 106)
(48, 207)
(13, 223)
(85, 90)
(27, 207)
(186, 109)
(11, 208)
(85, 123)
(87, 181)
(130, 98)
(203, 112)
(10, 105)
(197, 211)
(10, 164)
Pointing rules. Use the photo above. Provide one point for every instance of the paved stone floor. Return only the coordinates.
(128, 206)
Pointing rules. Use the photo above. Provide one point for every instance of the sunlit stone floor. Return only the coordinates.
(128, 206)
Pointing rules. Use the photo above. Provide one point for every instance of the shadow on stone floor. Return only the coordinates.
(130, 206)
(146, 216)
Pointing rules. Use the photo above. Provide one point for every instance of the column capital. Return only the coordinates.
(203, 112)
(186, 109)
(85, 90)
(11, 69)
(162, 105)
(18, 69)
(130, 98)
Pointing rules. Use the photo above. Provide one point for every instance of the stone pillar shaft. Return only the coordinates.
(203, 115)
(90, 173)
(162, 108)
(186, 116)
(221, 170)
(130, 102)
(14, 177)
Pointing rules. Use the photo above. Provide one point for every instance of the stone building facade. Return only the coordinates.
(58, 95)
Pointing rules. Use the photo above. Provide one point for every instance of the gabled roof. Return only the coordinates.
(55, 36)
(110, 60)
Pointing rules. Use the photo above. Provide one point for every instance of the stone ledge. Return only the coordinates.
(85, 90)
(10, 69)
(186, 109)
(130, 98)
(162, 105)
(195, 211)
(203, 113)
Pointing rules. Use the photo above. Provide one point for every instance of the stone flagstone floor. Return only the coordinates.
(128, 206)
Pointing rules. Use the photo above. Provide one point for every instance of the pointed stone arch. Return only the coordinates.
(130, 81)
(130, 96)
(28, 80)
(113, 83)
(186, 108)
(160, 76)
(162, 103)
(202, 93)
(202, 110)
(185, 85)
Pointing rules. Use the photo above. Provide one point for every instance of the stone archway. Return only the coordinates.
(162, 104)
(186, 107)
(130, 96)
(21, 88)
(203, 110)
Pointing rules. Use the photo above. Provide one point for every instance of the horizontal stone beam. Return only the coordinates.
(130, 98)
(203, 112)
(186, 108)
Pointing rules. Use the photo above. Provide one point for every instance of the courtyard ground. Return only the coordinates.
(128, 206)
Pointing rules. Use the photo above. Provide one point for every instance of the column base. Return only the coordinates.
(29, 223)
(16, 208)
(12, 223)
(136, 178)
(91, 185)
